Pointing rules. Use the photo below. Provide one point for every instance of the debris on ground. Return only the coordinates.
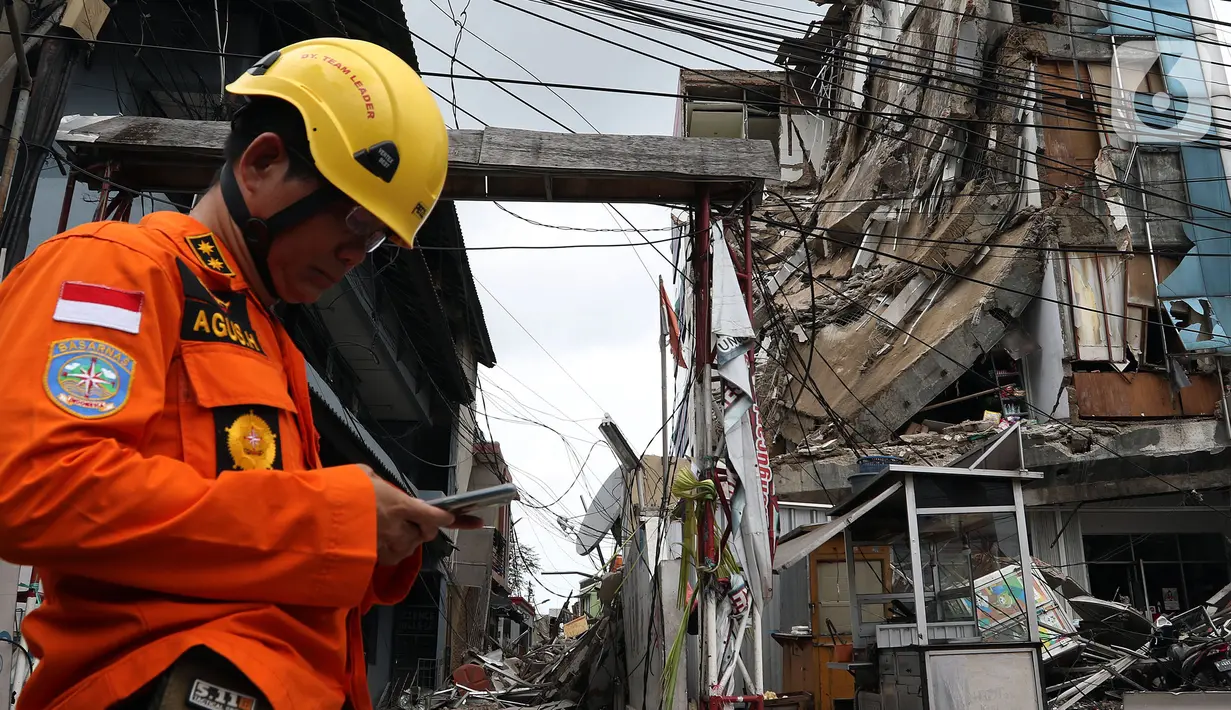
(556, 675)
(1119, 649)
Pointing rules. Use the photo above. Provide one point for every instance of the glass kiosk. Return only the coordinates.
(956, 627)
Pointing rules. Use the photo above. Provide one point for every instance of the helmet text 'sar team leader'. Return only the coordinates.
(389, 155)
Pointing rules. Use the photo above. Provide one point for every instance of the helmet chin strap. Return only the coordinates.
(259, 234)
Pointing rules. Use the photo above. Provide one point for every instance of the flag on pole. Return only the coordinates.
(673, 326)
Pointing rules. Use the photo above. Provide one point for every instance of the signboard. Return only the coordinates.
(1171, 599)
(1000, 602)
(576, 627)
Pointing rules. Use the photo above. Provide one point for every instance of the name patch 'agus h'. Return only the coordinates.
(212, 317)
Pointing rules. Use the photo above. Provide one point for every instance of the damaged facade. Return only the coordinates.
(968, 234)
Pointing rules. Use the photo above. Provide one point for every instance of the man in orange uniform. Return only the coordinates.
(159, 463)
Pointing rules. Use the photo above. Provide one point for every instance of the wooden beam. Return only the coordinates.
(161, 155)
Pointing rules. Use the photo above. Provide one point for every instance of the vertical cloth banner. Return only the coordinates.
(673, 326)
(752, 506)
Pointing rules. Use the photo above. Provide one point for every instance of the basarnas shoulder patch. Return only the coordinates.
(209, 254)
(88, 378)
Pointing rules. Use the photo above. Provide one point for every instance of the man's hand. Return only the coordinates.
(404, 523)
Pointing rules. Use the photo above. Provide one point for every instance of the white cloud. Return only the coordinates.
(594, 310)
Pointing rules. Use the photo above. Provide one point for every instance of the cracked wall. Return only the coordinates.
(965, 209)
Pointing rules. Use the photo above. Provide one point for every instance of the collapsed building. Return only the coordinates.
(968, 233)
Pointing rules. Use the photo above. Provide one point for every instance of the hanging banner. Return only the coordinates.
(682, 433)
(751, 504)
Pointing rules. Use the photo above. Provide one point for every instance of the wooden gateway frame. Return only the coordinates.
(148, 154)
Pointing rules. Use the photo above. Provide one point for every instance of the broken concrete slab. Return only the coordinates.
(877, 394)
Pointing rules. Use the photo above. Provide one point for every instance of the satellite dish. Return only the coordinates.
(602, 513)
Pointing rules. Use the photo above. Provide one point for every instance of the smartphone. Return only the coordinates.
(465, 503)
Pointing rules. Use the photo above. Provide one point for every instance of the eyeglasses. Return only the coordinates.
(366, 226)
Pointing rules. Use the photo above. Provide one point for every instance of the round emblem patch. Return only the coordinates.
(88, 378)
(252, 443)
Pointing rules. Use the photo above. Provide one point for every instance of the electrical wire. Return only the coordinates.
(1014, 157)
(894, 257)
(532, 247)
(966, 277)
(518, 65)
(486, 79)
(568, 228)
(1172, 217)
(642, 14)
(954, 124)
(775, 42)
(451, 76)
(541, 347)
(1075, 172)
(24, 652)
(564, 417)
(967, 368)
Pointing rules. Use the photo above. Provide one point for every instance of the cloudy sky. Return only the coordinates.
(594, 310)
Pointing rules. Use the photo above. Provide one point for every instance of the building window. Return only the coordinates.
(1041, 12)
(1164, 571)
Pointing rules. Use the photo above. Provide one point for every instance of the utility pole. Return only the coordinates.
(702, 444)
(24, 83)
(62, 48)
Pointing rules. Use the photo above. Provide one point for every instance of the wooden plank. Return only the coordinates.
(464, 147)
(139, 132)
(643, 155)
(1141, 395)
(161, 154)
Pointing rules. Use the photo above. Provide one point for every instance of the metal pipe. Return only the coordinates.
(663, 346)
(916, 563)
(748, 258)
(758, 651)
(1027, 564)
(1226, 416)
(703, 328)
(738, 641)
(70, 184)
(23, 106)
(104, 195)
(32, 42)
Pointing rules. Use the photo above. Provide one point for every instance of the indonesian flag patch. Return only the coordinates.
(106, 307)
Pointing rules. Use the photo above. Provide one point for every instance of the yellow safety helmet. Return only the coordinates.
(374, 129)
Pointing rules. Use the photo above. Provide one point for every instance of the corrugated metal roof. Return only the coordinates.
(321, 389)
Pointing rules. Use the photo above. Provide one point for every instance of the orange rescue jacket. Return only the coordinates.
(159, 465)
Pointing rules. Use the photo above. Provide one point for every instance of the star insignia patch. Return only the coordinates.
(205, 248)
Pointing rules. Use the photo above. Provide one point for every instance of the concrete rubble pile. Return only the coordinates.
(909, 251)
(1116, 649)
(904, 200)
(559, 675)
